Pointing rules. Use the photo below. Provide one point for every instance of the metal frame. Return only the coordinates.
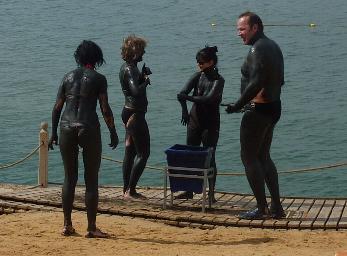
(208, 173)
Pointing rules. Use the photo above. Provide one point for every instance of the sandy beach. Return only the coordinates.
(38, 233)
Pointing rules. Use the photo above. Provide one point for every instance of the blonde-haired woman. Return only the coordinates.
(137, 138)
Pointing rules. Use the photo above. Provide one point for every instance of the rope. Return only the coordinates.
(121, 162)
(311, 169)
(311, 25)
(163, 168)
(291, 25)
(292, 171)
(21, 160)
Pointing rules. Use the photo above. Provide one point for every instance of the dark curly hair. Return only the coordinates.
(206, 54)
(89, 52)
(132, 47)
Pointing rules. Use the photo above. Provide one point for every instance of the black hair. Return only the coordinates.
(208, 53)
(253, 19)
(89, 52)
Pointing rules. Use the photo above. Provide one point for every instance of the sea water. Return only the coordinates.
(38, 39)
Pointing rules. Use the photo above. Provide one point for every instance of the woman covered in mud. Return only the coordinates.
(137, 139)
(203, 121)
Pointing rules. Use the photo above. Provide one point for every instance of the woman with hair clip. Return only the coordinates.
(137, 139)
(203, 121)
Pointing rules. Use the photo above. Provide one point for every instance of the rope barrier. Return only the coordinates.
(21, 160)
(311, 169)
(121, 162)
(311, 25)
(291, 171)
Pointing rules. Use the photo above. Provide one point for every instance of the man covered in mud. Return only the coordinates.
(261, 83)
(79, 127)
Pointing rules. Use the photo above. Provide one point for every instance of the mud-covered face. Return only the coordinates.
(140, 56)
(245, 31)
(203, 65)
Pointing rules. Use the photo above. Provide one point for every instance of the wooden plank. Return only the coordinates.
(245, 202)
(342, 224)
(154, 195)
(302, 213)
(310, 217)
(335, 214)
(295, 219)
(324, 214)
(223, 199)
(243, 222)
(282, 223)
(233, 202)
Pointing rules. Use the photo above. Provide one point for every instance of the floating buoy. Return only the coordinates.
(312, 25)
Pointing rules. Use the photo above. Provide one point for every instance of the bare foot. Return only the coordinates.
(185, 195)
(97, 233)
(139, 196)
(133, 196)
(68, 230)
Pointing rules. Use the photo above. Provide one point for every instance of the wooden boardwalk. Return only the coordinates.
(302, 213)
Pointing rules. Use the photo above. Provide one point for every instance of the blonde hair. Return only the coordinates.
(132, 47)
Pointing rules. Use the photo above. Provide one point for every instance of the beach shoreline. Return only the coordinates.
(38, 233)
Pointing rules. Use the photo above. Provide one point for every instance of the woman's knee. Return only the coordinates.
(144, 155)
(248, 157)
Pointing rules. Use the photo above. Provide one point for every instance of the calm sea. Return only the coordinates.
(38, 39)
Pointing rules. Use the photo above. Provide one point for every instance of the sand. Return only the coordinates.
(38, 233)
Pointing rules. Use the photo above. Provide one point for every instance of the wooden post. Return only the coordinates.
(43, 156)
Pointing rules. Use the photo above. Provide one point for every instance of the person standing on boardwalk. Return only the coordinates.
(79, 127)
(137, 139)
(261, 83)
(203, 121)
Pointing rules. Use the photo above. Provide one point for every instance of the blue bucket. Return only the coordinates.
(187, 157)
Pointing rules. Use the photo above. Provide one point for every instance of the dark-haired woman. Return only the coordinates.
(203, 121)
(137, 139)
(79, 127)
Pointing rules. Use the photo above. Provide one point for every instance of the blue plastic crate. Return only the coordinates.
(189, 157)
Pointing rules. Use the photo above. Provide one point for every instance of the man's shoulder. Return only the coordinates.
(261, 43)
(264, 42)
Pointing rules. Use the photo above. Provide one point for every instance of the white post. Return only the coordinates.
(43, 156)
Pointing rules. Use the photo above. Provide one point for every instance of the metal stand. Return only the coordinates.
(207, 174)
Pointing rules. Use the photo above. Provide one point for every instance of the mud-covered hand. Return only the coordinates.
(52, 140)
(182, 96)
(185, 118)
(147, 80)
(114, 139)
(230, 108)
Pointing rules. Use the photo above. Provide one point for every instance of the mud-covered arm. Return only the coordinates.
(188, 87)
(134, 79)
(107, 113)
(256, 69)
(56, 112)
(214, 95)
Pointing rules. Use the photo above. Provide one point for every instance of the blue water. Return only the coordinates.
(38, 39)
